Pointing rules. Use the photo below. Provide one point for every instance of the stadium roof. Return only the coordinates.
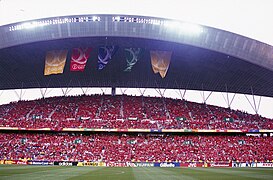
(203, 58)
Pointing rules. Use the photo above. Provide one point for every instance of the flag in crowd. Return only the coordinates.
(160, 61)
(79, 58)
(132, 56)
(105, 54)
(55, 61)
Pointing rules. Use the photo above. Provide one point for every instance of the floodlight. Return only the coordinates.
(117, 18)
(95, 18)
(183, 27)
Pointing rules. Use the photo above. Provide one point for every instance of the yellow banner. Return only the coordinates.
(160, 61)
(55, 61)
(93, 164)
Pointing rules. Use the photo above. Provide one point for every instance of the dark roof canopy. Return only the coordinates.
(190, 68)
(215, 60)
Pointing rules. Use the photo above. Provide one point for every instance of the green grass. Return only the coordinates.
(118, 173)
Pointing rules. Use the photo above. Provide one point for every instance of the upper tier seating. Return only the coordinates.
(122, 111)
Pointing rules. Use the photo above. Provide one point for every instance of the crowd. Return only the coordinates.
(135, 147)
(122, 111)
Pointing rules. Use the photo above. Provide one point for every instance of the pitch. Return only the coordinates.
(121, 173)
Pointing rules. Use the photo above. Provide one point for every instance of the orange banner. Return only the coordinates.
(55, 62)
(160, 61)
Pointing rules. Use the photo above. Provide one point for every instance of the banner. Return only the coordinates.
(181, 118)
(220, 164)
(132, 56)
(131, 141)
(167, 164)
(193, 164)
(93, 164)
(143, 164)
(264, 165)
(84, 118)
(65, 163)
(44, 163)
(105, 54)
(132, 118)
(160, 61)
(55, 61)
(187, 142)
(9, 162)
(228, 119)
(116, 164)
(79, 58)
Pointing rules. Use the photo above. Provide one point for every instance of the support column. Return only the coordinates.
(180, 93)
(227, 100)
(113, 91)
(179, 90)
(103, 91)
(1, 93)
(203, 95)
(123, 92)
(43, 93)
(142, 92)
(160, 93)
(254, 106)
(20, 96)
(67, 90)
(83, 91)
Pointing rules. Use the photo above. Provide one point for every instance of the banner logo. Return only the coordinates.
(105, 54)
(132, 55)
(79, 58)
(55, 62)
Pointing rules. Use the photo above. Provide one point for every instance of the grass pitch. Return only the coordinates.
(140, 173)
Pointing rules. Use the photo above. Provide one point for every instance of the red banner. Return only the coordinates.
(79, 58)
(264, 165)
(220, 164)
(116, 164)
(192, 164)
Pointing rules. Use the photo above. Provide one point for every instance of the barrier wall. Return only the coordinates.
(140, 130)
(139, 164)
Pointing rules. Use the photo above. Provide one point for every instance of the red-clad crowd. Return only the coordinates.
(135, 147)
(122, 111)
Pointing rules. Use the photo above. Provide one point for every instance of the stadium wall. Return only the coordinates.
(142, 164)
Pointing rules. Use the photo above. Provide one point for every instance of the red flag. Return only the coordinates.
(79, 58)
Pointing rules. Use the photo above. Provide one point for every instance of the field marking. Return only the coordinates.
(122, 172)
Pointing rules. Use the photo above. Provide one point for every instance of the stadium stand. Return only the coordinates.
(128, 112)
(134, 147)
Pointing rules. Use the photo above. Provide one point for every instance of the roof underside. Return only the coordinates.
(190, 68)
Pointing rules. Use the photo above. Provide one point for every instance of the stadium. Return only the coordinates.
(103, 95)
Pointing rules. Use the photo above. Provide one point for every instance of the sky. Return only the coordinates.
(251, 18)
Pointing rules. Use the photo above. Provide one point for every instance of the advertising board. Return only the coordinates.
(167, 164)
